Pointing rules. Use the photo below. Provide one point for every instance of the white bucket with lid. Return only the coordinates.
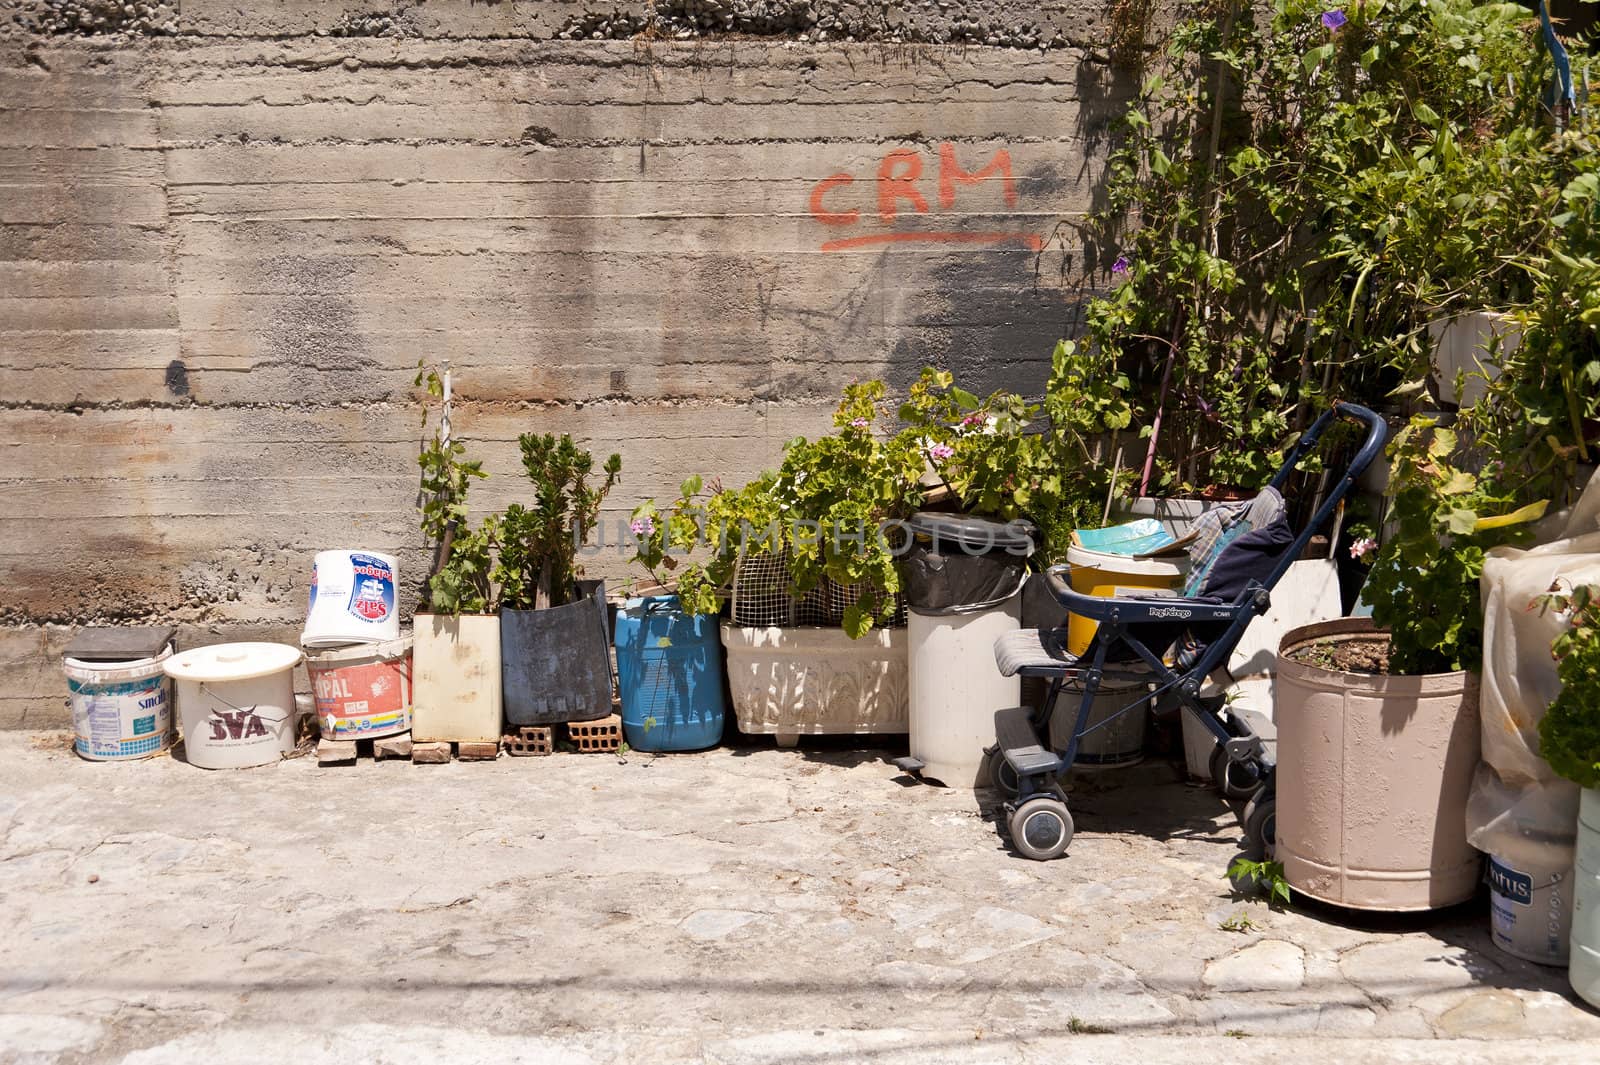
(353, 599)
(236, 702)
(121, 711)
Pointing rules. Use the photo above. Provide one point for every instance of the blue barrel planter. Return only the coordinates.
(669, 672)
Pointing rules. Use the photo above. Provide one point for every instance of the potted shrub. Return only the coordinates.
(456, 632)
(1569, 740)
(1380, 716)
(555, 653)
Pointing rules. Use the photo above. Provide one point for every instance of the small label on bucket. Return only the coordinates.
(372, 590)
(1514, 886)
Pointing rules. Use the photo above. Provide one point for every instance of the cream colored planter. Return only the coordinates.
(1584, 972)
(816, 681)
(1471, 343)
(455, 663)
(1372, 781)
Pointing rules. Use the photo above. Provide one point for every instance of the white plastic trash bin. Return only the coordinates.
(964, 578)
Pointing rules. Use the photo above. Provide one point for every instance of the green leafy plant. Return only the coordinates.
(1569, 733)
(460, 581)
(1264, 876)
(539, 544)
(1294, 197)
(1238, 922)
(1424, 586)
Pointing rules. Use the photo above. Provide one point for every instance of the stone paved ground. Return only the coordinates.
(743, 905)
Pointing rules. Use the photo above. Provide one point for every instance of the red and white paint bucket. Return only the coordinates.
(362, 691)
(354, 599)
(236, 702)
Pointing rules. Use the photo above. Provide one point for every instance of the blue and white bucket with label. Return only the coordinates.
(121, 711)
(1530, 898)
(354, 599)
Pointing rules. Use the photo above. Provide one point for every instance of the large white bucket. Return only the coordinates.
(956, 688)
(1584, 972)
(120, 710)
(363, 691)
(236, 702)
(1530, 899)
(353, 599)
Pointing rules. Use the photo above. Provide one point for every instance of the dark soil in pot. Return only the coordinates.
(1345, 654)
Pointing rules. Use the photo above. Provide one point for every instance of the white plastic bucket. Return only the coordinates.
(1584, 971)
(955, 689)
(362, 691)
(236, 702)
(1108, 746)
(1530, 899)
(353, 599)
(121, 711)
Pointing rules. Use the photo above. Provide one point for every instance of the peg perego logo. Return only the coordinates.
(1518, 887)
(1176, 613)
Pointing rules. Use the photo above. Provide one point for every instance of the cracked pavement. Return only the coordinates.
(741, 905)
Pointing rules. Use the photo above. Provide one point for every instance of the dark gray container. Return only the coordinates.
(555, 664)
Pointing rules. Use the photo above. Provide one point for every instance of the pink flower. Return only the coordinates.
(940, 452)
(644, 525)
(975, 418)
(859, 423)
(1363, 547)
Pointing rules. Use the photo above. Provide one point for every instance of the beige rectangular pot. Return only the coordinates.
(455, 664)
(790, 682)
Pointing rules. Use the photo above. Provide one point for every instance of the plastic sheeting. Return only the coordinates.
(1516, 798)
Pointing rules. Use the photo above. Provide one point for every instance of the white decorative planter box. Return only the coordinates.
(817, 681)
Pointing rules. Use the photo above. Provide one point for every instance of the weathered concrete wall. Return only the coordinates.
(222, 254)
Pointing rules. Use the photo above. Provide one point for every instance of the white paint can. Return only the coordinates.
(236, 702)
(1530, 898)
(363, 691)
(354, 599)
(121, 711)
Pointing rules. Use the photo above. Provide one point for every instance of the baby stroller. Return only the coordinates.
(1230, 584)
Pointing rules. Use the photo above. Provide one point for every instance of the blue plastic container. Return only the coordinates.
(669, 673)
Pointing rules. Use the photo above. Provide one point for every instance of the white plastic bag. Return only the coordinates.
(1515, 793)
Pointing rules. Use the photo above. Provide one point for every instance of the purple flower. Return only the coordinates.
(1333, 19)
(644, 525)
(940, 452)
(1121, 266)
(859, 423)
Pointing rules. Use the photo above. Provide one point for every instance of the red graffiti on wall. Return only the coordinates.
(898, 192)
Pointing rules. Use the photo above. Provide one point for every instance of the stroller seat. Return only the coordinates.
(1033, 653)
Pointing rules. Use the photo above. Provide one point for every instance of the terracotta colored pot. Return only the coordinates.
(1372, 780)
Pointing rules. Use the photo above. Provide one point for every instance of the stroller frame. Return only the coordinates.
(1027, 769)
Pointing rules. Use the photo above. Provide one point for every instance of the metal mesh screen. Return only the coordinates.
(761, 596)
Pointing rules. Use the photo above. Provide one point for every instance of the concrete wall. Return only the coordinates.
(223, 252)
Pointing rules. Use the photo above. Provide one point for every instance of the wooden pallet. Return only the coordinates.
(596, 737)
(530, 740)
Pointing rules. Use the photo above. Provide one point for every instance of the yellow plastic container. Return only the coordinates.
(1105, 576)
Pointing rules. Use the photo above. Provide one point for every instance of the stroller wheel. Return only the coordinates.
(1041, 828)
(1235, 780)
(1001, 776)
(1261, 821)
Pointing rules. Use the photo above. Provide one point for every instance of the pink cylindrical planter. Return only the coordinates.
(1372, 780)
